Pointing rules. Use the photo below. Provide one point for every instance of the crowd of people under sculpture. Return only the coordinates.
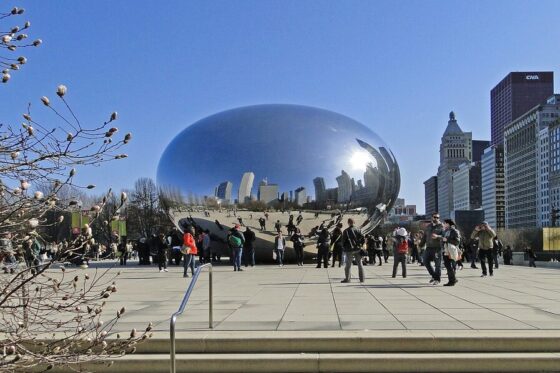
(334, 244)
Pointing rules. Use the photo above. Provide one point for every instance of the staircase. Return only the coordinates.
(349, 351)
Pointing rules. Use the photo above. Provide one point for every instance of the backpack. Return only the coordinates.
(402, 245)
(235, 241)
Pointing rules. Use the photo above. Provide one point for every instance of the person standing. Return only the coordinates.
(508, 254)
(189, 251)
(160, 245)
(298, 241)
(400, 251)
(497, 251)
(248, 248)
(352, 241)
(323, 248)
(485, 236)
(278, 226)
(280, 246)
(432, 239)
(336, 244)
(451, 236)
(122, 249)
(236, 242)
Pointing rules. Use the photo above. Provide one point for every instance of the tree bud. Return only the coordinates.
(61, 90)
(45, 100)
(37, 42)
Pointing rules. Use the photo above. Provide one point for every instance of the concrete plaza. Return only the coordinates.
(272, 298)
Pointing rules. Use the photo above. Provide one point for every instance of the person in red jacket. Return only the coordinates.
(189, 251)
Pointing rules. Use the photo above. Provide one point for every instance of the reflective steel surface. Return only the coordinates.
(282, 157)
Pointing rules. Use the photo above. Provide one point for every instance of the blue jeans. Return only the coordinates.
(433, 254)
(189, 261)
(280, 256)
(237, 253)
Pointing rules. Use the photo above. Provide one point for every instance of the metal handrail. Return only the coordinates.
(184, 304)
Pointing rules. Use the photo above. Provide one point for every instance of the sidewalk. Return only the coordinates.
(307, 298)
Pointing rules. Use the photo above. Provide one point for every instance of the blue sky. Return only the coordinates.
(399, 67)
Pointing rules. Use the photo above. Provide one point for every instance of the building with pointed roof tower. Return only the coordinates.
(455, 148)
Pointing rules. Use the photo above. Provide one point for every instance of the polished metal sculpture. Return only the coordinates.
(273, 161)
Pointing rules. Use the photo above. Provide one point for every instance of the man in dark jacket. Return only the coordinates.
(432, 239)
(336, 244)
(323, 248)
(248, 248)
(352, 241)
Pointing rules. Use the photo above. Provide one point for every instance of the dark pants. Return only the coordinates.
(450, 269)
(483, 255)
(249, 256)
(385, 254)
(473, 257)
(162, 264)
(399, 258)
(495, 257)
(299, 253)
(433, 254)
(124, 257)
(415, 256)
(323, 256)
(337, 255)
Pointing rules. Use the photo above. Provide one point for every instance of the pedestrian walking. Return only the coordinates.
(451, 240)
(280, 246)
(235, 241)
(298, 242)
(432, 239)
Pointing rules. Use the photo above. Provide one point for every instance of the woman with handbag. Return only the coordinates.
(451, 240)
(189, 251)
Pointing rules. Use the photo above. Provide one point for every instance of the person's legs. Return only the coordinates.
(281, 257)
(437, 261)
(429, 255)
(186, 259)
(395, 265)
(347, 266)
(482, 257)
(450, 271)
(360, 266)
(403, 264)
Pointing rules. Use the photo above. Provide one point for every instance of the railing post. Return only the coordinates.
(179, 312)
(211, 305)
(172, 335)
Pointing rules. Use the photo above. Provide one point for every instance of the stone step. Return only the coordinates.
(355, 341)
(339, 362)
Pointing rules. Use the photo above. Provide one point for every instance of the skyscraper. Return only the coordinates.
(493, 188)
(320, 190)
(301, 196)
(466, 187)
(517, 93)
(245, 187)
(345, 187)
(268, 192)
(224, 191)
(522, 156)
(455, 148)
(430, 195)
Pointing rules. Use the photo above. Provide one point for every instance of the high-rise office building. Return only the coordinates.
(430, 195)
(493, 188)
(223, 191)
(466, 187)
(320, 189)
(455, 148)
(345, 187)
(522, 152)
(244, 193)
(517, 93)
(300, 196)
(268, 192)
(543, 199)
